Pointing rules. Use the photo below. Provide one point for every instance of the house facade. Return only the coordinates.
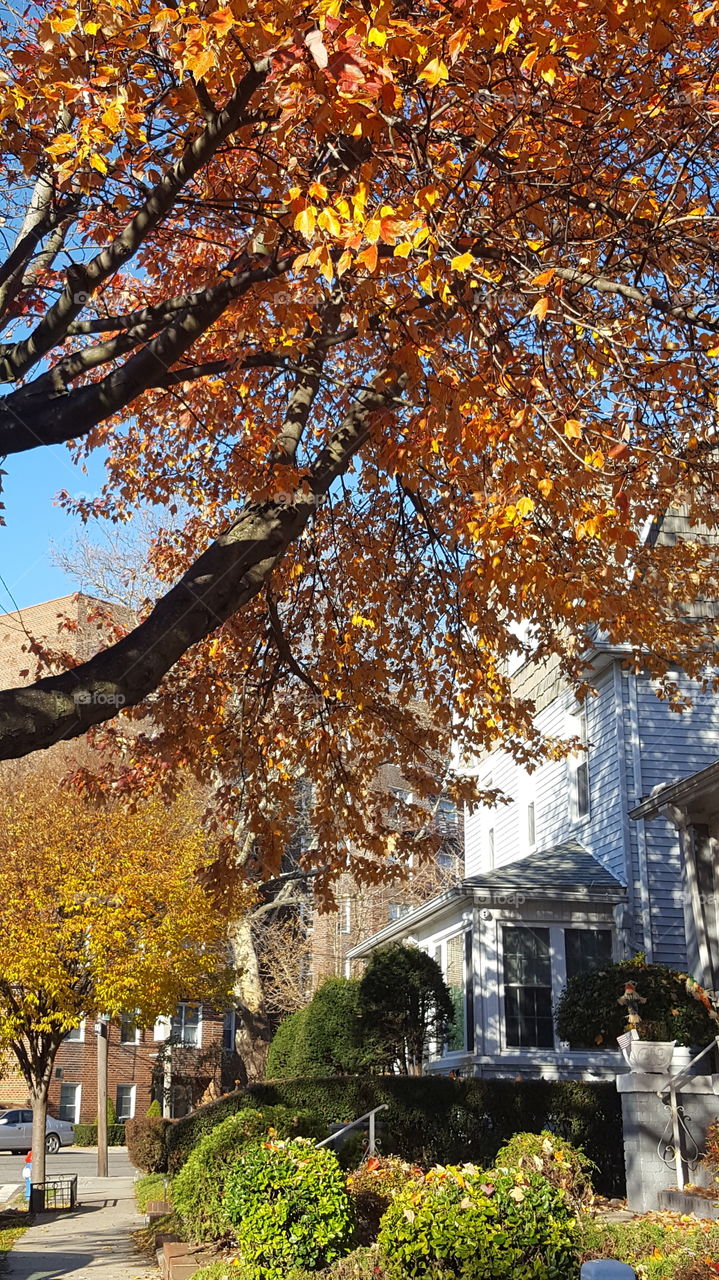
(562, 878)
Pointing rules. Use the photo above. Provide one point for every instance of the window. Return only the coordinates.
(129, 1030)
(531, 825)
(528, 1020)
(77, 1035)
(578, 765)
(454, 977)
(587, 949)
(446, 818)
(229, 1028)
(345, 916)
(125, 1101)
(186, 1023)
(396, 910)
(490, 848)
(69, 1108)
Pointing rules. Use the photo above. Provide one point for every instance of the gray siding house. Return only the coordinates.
(563, 878)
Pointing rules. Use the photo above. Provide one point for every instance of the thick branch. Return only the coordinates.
(223, 579)
(84, 280)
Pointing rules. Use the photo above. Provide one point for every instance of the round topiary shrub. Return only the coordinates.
(564, 1166)
(199, 1187)
(471, 1224)
(289, 1207)
(589, 1013)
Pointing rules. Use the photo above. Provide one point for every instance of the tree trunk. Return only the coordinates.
(252, 1037)
(38, 1098)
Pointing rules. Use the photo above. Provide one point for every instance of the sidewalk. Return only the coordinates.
(93, 1243)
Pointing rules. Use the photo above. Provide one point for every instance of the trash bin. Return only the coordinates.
(54, 1195)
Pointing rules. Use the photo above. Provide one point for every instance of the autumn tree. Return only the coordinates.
(101, 912)
(410, 314)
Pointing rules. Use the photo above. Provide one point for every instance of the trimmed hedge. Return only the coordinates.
(86, 1135)
(147, 1143)
(435, 1120)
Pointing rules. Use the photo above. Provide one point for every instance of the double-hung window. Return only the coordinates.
(125, 1101)
(186, 1026)
(528, 1022)
(69, 1108)
(578, 765)
(587, 949)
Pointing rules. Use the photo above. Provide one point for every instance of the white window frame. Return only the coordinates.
(556, 979)
(77, 1034)
(133, 1100)
(184, 1004)
(438, 950)
(69, 1084)
(344, 921)
(162, 1028)
(136, 1038)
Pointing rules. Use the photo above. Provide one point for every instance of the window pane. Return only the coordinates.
(128, 1028)
(76, 1033)
(526, 957)
(454, 978)
(531, 830)
(124, 1104)
(587, 949)
(528, 1017)
(69, 1096)
(228, 1031)
(582, 788)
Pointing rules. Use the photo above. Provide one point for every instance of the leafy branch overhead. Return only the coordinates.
(407, 316)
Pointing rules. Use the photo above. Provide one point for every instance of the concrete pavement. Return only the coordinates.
(69, 1160)
(93, 1243)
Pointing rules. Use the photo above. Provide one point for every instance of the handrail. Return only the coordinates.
(368, 1115)
(674, 1082)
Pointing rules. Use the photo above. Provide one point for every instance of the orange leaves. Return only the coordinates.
(540, 309)
(305, 221)
(434, 72)
(573, 429)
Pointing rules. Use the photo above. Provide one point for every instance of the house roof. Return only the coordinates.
(567, 870)
(698, 792)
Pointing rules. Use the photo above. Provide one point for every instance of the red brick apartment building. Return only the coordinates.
(183, 1058)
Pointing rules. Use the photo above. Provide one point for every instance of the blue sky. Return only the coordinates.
(33, 522)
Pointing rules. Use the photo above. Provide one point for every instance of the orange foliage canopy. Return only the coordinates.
(407, 313)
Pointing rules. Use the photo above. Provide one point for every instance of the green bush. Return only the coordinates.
(360, 1264)
(152, 1186)
(283, 1058)
(288, 1204)
(589, 1013)
(435, 1120)
(184, 1135)
(154, 1108)
(658, 1250)
(147, 1143)
(86, 1135)
(566, 1168)
(473, 1225)
(199, 1187)
(404, 1004)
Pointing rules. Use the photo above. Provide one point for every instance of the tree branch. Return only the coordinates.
(221, 581)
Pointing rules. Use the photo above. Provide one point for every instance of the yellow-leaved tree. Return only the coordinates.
(101, 911)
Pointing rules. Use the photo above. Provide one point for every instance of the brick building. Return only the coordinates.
(183, 1058)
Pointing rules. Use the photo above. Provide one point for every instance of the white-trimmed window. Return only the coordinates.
(77, 1035)
(531, 825)
(187, 1024)
(229, 1030)
(129, 1030)
(395, 910)
(344, 923)
(527, 964)
(125, 1101)
(586, 950)
(578, 765)
(69, 1108)
(454, 957)
(162, 1028)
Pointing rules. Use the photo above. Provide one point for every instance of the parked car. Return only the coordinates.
(16, 1132)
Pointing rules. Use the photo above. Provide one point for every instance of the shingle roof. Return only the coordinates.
(564, 868)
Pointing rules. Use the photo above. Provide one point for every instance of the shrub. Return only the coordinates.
(86, 1135)
(199, 1187)
(288, 1204)
(373, 1186)
(147, 1143)
(473, 1225)
(184, 1135)
(154, 1108)
(405, 1004)
(589, 1013)
(283, 1058)
(152, 1186)
(564, 1166)
(360, 1264)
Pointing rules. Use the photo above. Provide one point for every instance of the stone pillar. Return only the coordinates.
(646, 1121)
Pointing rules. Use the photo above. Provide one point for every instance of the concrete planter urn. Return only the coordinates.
(650, 1055)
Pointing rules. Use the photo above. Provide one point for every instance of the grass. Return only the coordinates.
(151, 1187)
(13, 1223)
(662, 1246)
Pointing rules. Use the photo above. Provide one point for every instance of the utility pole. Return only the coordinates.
(101, 1027)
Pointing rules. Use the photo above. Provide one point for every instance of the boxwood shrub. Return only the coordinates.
(86, 1135)
(589, 1014)
(198, 1189)
(469, 1224)
(289, 1207)
(435, 1120)
(147, 1143)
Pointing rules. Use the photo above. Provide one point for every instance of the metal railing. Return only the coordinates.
(673, 1149)
(368, 1115)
